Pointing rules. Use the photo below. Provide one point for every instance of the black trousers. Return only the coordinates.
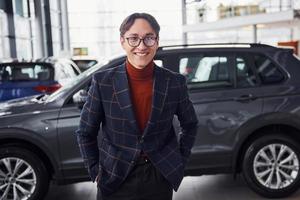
(143, 183)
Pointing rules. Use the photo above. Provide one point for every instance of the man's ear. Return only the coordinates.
(122, 41)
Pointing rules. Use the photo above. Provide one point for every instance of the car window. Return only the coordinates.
(158, 62)
(244, 73)
(267, 70)
(85, 64)
(25, 72)
(75, 68)
(205, 71)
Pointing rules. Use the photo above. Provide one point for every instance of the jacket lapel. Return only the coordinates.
(160, 91)
(121, 90)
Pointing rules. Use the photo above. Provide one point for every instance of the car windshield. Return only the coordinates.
(75, 81)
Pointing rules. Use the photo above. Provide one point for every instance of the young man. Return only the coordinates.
(139, 156)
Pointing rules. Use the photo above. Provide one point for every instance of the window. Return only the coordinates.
(244, 73)
(85, 64)
(159, 63)
(25, 72)
(21, 8)
(267, 70)
(3, 5)
(205, 71)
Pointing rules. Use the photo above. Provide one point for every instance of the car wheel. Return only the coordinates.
(271, 166)
(22, 174)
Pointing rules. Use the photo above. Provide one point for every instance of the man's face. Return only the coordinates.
(140, 55)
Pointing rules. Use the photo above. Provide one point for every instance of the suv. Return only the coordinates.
(246, 97)
(26, 78)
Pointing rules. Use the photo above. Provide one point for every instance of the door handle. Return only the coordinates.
(245, 98)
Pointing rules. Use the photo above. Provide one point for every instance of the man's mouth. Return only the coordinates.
(141, 53)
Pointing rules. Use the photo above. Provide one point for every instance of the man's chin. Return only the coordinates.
(141, 65)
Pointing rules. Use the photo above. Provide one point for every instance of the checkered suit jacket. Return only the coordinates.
(109, 108)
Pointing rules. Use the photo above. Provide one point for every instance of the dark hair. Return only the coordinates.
(128, 22)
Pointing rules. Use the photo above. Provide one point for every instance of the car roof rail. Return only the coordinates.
(262, 45)
(214, 45)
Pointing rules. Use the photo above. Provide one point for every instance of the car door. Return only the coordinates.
(68, 122)
(222, 87)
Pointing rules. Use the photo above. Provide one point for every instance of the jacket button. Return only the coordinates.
(132, 162)
(142, 140)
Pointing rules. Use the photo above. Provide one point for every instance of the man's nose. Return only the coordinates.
(142, 45)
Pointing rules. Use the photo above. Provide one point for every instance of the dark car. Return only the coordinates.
(26, 78)
(247, 99)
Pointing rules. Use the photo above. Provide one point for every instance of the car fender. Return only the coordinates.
(18, 135)
(247, 130)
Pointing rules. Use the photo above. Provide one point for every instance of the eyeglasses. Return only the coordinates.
(135, 41)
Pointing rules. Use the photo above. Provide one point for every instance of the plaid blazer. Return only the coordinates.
(108, 112)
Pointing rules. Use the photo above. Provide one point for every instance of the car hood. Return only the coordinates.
(21, 105)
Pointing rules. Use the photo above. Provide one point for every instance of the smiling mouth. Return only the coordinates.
(141, 54)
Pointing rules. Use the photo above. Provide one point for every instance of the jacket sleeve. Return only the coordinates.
(90, 120)
(188, 121)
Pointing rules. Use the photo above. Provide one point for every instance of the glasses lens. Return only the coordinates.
(149, 41)
(133, 41)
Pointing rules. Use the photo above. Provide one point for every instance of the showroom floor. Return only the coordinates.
(192, 188)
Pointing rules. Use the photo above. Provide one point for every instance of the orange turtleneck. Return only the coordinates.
(141, 91)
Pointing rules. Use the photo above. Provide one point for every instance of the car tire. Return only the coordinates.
(271, 166)
(23, 175)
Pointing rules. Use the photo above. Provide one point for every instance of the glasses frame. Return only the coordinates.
(140, 39)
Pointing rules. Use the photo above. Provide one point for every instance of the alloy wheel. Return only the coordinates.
(17, 179)
(276, 166)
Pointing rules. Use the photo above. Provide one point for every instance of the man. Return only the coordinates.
(138, 156)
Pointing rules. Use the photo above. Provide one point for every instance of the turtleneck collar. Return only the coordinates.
(140, 74)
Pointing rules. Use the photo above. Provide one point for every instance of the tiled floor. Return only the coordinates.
(192, 188)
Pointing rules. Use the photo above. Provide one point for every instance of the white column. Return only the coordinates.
(254, 33)
(183, 8)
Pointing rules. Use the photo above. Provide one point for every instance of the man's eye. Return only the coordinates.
(134, 39)
(149, 38)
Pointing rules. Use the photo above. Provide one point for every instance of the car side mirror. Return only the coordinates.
(79, 98)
